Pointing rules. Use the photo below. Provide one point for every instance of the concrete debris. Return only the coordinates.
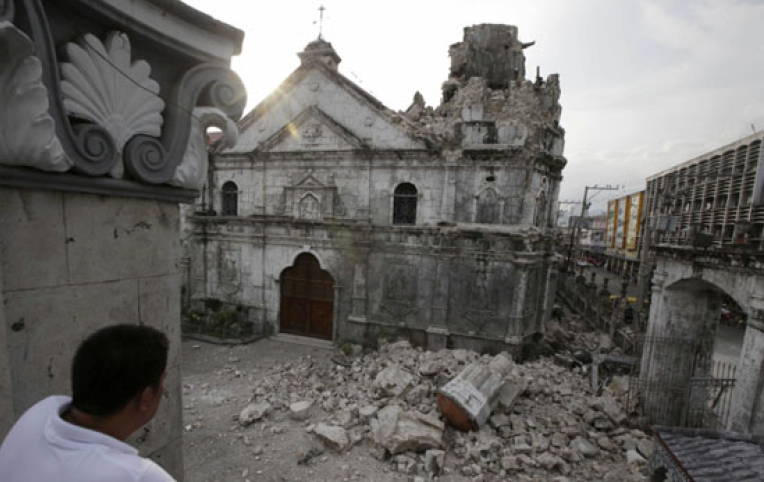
(401, 431)
(334, 437)
(300, 410)
(546, 423)
(254, 412)
(633, 458)
(393, 380)
(509, 394)
(434, 461)
(584, 447)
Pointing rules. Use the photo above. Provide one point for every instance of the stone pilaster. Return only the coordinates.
(746, 411)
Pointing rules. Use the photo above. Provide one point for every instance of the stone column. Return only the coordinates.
(746, 413)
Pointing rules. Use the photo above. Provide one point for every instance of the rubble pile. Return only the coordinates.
(548, 424)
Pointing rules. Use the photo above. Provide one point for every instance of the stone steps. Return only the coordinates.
(303, 340)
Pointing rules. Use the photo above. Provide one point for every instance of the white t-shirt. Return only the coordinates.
(44, 447)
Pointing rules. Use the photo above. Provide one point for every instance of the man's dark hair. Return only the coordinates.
(114, 364)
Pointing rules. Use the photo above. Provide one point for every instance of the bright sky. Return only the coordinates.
(646, 84)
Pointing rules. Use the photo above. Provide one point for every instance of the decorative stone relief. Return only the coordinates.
(192, 171)
(311, 134)
(96, 87)
(309, 208)
(27, 131)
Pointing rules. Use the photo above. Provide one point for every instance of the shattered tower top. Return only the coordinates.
(490, 51)
(487, 102)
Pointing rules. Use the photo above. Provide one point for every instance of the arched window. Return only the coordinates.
(230, 199)
(404, 204)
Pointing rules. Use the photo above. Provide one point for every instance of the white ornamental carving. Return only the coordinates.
(27, 132)
(101, 84)
(192, 171)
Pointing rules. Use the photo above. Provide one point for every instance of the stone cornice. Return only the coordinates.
(25, 178)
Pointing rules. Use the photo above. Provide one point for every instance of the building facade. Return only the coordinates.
(623, 233)
(715, 199)
(337, 218)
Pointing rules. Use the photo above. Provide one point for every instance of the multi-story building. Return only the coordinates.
(716, 198)
(623, 233)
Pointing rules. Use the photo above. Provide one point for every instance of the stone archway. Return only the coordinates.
(686, 305)
(307, 299)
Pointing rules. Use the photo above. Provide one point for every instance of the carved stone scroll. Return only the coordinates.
(153, 161)
(27, 132)
(192, 172)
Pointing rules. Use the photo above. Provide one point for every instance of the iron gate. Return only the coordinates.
(677, 383)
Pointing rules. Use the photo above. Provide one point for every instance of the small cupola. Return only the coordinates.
(322, 51)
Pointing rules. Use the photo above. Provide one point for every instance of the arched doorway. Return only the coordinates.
(307, 299)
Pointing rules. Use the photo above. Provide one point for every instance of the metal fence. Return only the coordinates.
(677, 383)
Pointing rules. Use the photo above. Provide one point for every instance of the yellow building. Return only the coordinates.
(623, 232)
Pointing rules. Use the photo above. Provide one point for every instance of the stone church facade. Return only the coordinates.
(337, 218)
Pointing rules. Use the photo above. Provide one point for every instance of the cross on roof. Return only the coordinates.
(321, 22)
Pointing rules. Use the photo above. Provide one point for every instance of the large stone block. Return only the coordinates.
(32, 223)
(114, 238)
(47, 325)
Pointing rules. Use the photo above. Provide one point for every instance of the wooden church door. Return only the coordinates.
(307, 299)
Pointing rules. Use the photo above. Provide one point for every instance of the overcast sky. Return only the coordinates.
(646, 84)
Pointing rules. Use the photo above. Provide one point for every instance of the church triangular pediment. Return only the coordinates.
(316, 108)
(309, 181)
(312, 130)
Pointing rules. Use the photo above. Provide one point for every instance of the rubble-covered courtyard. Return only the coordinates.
(276, 411)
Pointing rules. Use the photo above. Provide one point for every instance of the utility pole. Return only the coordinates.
(584, 207)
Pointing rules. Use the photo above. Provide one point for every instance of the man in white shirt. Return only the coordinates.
(117, 383)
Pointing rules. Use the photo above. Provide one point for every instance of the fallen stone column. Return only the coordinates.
(467, 400)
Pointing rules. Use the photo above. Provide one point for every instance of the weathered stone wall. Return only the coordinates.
(473, 286)
(73, 263)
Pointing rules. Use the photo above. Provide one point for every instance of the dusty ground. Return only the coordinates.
(219, 381)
